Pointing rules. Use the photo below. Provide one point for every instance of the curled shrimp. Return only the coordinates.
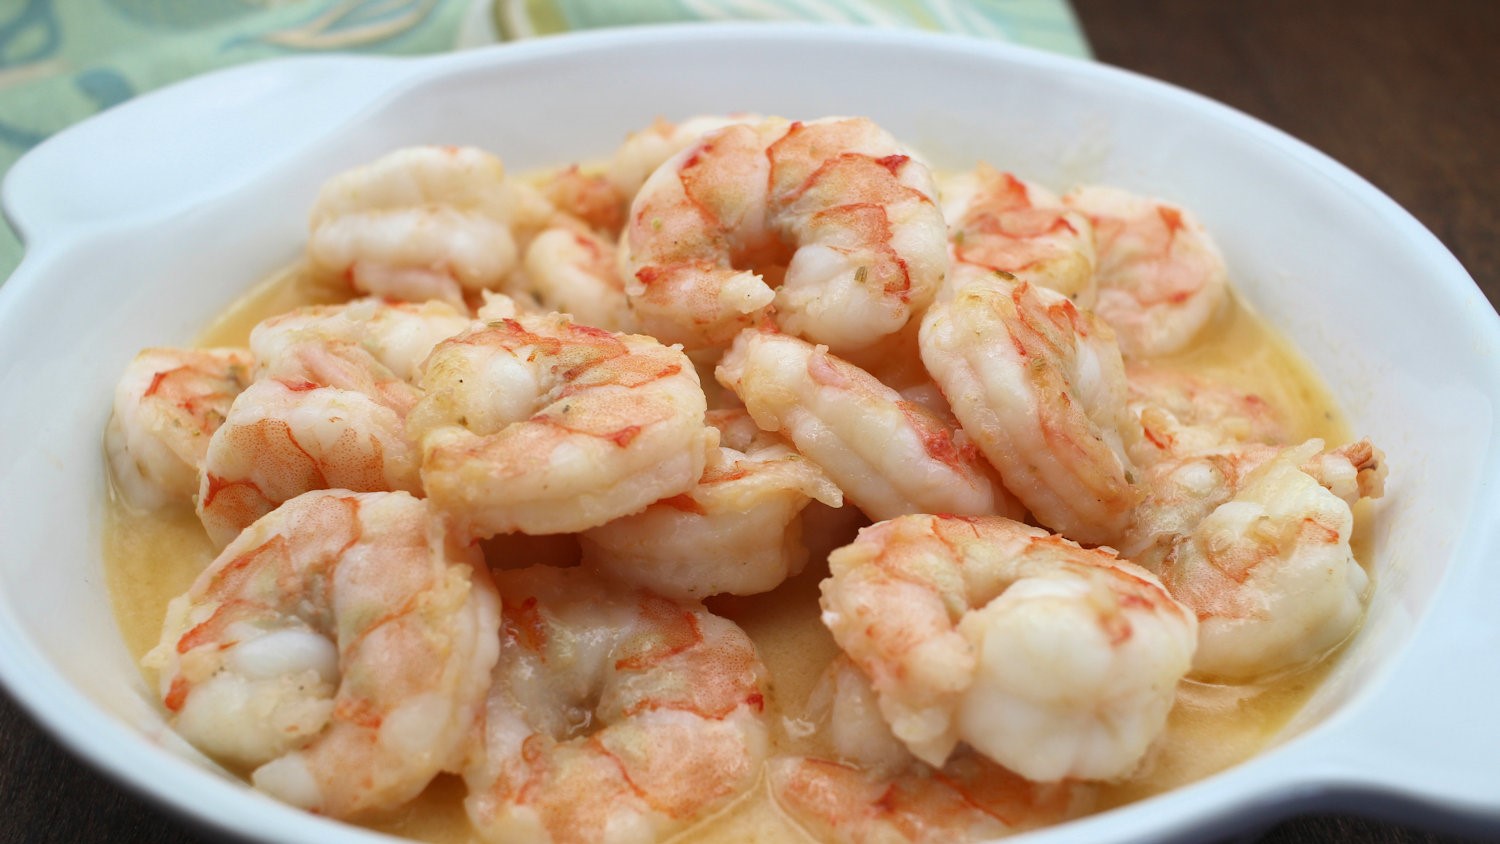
(999, 222)
(420, 223)
(1182, 490)
(838, 202)
(1161, 278)
(614, 715)
(890, 456)
(865, 787)
(737, 532)
(167, 405)
(325, 413)
(1269, 573)
(340, 647)
(589, 197)
(1040, 387)
(398, 335)
(543, 425)
(1053, 660)
(576, 272)
(1182, 414)
(644, 151)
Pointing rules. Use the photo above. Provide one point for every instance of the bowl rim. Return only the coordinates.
(1273, 783)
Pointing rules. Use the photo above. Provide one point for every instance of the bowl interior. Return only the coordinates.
(1321, 255)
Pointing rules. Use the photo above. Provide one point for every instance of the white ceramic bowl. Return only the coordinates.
(146, 221)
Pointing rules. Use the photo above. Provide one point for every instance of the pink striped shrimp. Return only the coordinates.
(999, 222)
(830, 220)
(340, 648)
(1161, 277)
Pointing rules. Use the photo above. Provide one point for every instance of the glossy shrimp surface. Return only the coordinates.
(1182, 414)
(1040, 387)
(997, 221)
(614, 714)
(340, 649)
(420, 223)
(1053, 660)
(836, 207)
(167, 405)
(575, 271)
(1269, 573)
(737, 532)
(322, 415)
(1161, 278)
(543, 425)
(647, 149)
(863, 786)
(1182, 490)
(890, 456)
(397, 335)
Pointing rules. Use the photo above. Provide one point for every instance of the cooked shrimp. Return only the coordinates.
(889, 456)
(167, 405)
(838, 202)
(1269, 573)
(614, 715)
(1040, 387)
(869, 788)
(737, 532)
(589, 197)
(1182, 414)
(644, 151)
(576, 272)
(969, 799)
(1182, 490)
(326, 416)
(1053, 660)
(341, 647)
(542, 425)
(399, 335)
(420, 223)
(999, 222)
(1161, 278)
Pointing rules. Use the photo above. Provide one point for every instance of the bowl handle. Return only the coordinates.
(163, 151)
(1426, 747)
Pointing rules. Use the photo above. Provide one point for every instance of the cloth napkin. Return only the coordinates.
(64, 60)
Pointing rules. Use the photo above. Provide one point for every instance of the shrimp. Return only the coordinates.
(969, 799)
(542, 425)
(1040, 386)
(613, 716)
(420, 223)
(868, 788)
(576, 272)
(1161, 278)
(589, 197)
(1269, 573)
(1056, 661)
(1183, 414)
(167, 405)
(399, 335)
(999, 222)
(1182, 490)
(340, 647)
(838, 202)
(644, 151)
(889, 456)
(738, 531)
(286, 436)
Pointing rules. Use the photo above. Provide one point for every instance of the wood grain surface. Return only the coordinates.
(1402, 91)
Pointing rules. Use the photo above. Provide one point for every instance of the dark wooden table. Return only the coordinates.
(1405, 92)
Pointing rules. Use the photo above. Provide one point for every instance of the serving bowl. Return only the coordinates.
(146, 221)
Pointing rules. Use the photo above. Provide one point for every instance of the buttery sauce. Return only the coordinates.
(150, 559)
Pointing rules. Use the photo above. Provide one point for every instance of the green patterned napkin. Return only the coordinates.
(63, 60)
